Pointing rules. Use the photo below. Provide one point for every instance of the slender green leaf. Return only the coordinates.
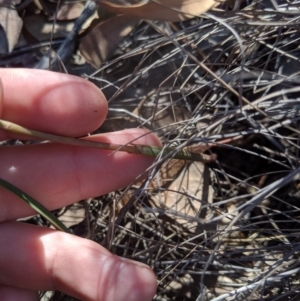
(55, 222)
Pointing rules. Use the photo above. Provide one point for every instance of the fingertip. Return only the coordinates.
(42, 259)
(136, 136)
(52, 102)
(106, 276)
(152, 139)
(144, 280)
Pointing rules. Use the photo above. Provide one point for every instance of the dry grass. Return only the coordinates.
(232, 74)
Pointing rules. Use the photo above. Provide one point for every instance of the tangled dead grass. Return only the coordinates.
(227, 230)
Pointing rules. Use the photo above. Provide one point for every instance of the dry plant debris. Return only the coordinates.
(227, 230)
(165, 10)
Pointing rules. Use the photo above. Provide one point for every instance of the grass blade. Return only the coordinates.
(55, 222)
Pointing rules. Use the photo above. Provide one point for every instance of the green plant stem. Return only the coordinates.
(55, 222)
(133, 148)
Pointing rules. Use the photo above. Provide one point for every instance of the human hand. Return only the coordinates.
(35, 258)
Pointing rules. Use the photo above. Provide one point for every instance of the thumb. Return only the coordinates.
(37, 258)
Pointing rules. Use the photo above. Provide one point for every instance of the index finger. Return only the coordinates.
(50, 102)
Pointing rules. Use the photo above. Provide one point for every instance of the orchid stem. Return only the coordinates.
(132, 149)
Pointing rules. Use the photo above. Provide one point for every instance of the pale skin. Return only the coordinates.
(35, 258)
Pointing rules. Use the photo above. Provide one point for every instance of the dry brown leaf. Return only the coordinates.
(70, 11)
(11, 23)
(9, 3)
(191, 179)
(74, 215)
(42, 29)
(194, 180)
(122, 3)
(104, 39)
(165, 10)
(47, 7)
